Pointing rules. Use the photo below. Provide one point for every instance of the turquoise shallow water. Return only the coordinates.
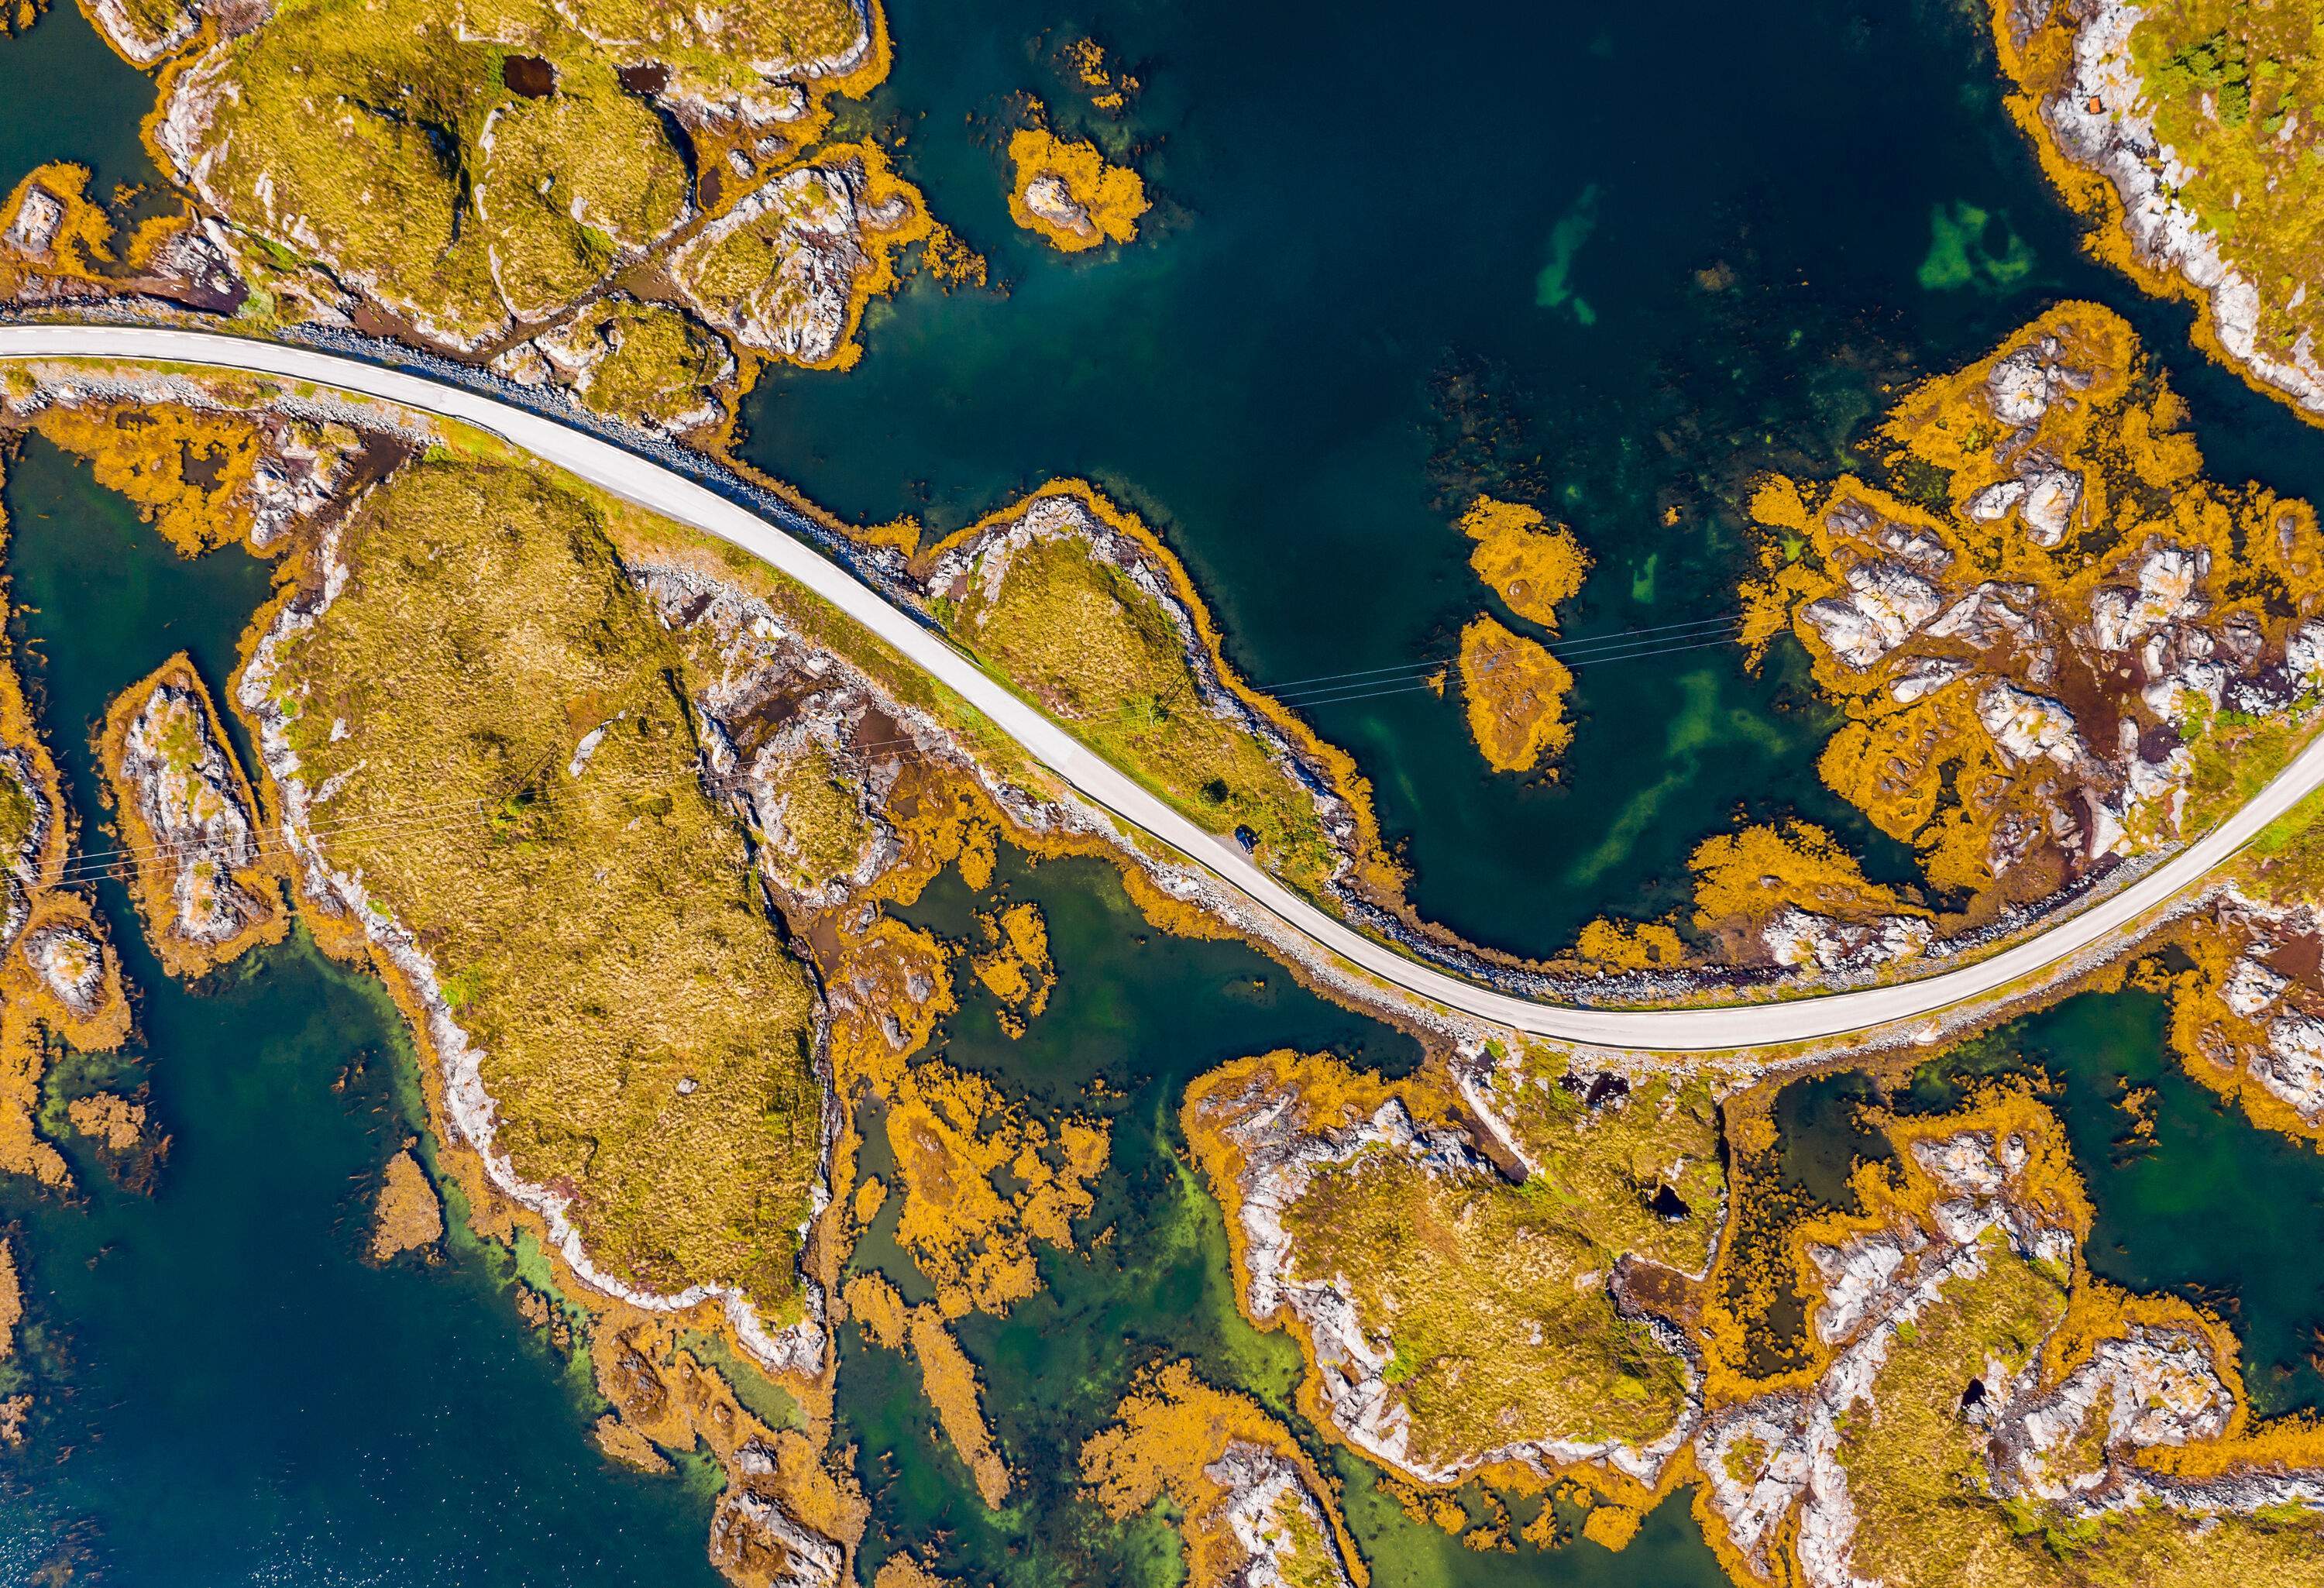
(1144, 1014)
(2210, 1208)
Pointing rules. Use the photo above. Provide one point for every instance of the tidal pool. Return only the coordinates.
(2208, 1206)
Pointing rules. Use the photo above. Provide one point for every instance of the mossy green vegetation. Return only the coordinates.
(2234, 86)
(645, 363)
(737, 50)
(1075, 629)
(788, 270)
(2189, 132)
(514, 778)
(570, 180)
(1492, 1295)
(349, 133)
(825, 826)
(1916, 1468)
(1609, 1164)
(1487, 1296)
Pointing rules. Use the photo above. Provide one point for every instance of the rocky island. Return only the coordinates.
(1067, 193)
(2069, 612)
(208, 887)
(1512, 688)
(1977, 1408)
(1513, 692)
(1540, 1324)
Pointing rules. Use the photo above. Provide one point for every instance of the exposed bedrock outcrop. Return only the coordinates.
(190, 799)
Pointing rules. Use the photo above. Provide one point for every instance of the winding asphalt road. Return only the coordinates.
(652, 485)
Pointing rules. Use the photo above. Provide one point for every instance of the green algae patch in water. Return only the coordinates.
(226, 1392)
(1960, 255)
(1554, 287)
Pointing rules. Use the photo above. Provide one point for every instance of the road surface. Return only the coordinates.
(652, 485)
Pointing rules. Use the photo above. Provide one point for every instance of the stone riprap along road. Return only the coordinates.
(655, 487)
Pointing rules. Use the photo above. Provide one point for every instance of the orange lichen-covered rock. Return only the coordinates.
(1530, 563)
(1975, 1408)
(2247, 1009)
(1793, 894)
(1251, 1506)
(1513, 691)
(208, 881)
(1015, 966)
(948, 1379)
(405, 1215)
(2055, 646)
(1068, 193)
(58, 246)
(1629, 946)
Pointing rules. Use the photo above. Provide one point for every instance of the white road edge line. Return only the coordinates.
(662, 490)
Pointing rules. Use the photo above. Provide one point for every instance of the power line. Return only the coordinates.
(268, 847)
(1579, 641)
(1575, 653)
(1414, 687)
(1660, 650)
(136, 850)
(1721, 633)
